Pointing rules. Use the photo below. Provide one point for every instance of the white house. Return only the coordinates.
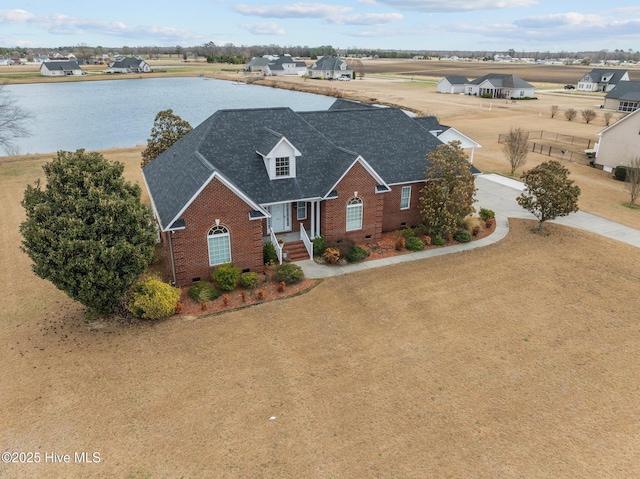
(129, 65)
(619, 143)
(61, 68)
(329, 67)
(602, 79)
(285, 65)
(499, 85)
(624, 97)
(452, 84)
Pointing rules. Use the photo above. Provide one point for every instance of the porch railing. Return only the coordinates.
(306, 241)
(277, 246)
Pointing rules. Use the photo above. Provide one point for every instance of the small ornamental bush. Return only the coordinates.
(203, 292)
(249, 280)
(225, 300)
(227, 276)
(471, 222)
(261, 294)
(476, 230)
(414, 244)
(420, 230)
(289, 273)
(269, 255)
(462, 236)
(486, 214)
(331, 255)
(318, 245)
(356, 253)
(408, 233)
(400, 243)
(438, 240)
(620, 173)
(343, 245)
(427, 240)
(281, 286)
(153, 299)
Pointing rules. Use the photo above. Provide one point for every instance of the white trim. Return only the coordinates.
(408, 199)
(359, 205)
(298, 209)
(408, 182)
(227, 234)
(618, 122)
(366, 166)
(229, 185)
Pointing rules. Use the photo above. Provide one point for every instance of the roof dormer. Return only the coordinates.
(279, 155)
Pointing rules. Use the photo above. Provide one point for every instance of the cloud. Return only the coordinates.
(266, 28)
(367, 19)
(570, 19)
(58, 24)
(456, 5)
(294, 10)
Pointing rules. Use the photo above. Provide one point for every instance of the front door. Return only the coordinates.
(280, 217)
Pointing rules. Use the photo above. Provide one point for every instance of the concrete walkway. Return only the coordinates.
(499, 194)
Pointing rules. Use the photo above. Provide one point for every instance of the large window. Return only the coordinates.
(354, 214)
(219, 246)
(405, 197)
(628, 106)
(282, 166)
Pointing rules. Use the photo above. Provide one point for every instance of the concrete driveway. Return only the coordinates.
(499, 194)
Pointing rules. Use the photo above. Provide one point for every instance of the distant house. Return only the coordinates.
(246, 177)
(61, 68)
(285, 65)
(447, 134)
(452, 84)
(499, 85)
(602, 79)
(129, 65)
(257, 64)
(329, 67)
(619, 143)
(624, 97)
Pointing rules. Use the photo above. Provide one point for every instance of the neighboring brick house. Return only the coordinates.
(244, 177)
(602, 79)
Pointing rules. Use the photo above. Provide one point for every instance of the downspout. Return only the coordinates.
(173, 266)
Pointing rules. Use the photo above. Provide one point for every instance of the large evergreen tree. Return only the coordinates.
(447, 196)
(87, 231)
(167, 129)
(549, 193)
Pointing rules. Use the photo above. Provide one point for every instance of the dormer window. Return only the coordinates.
(283, 166)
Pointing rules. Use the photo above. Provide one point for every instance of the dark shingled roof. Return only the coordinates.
(502, 80)
(59, 65)
(430, 123)
(330, 63)
(456, 80)
(342, 104)
(597, 73)
(129, 62)
(227, 143)
(625, 90)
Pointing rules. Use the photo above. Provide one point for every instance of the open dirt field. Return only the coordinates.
(515, 360)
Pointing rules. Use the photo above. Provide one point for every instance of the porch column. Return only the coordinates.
(313, 219)
(318, 233)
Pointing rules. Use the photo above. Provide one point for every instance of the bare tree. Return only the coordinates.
(12, 121)
(633, 181)
(588, 115)
(515, 148)
(607, 118)
(570, 114)
(554, 110)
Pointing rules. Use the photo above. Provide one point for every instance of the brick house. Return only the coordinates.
(245, 177)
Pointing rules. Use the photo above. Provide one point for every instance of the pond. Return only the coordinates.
(97, 115)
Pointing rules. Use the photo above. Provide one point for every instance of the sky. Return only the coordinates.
(475, 25)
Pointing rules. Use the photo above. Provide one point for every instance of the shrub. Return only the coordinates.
(227, 276)
(261, 294)
(225, 300)
(331, 255)
(420, 230)
(427, 239)
(249, 280)
(476, 230)
(153, 299)
(472, 223)
(486, 214)
(203, 292)
(356, 253)
(438, 240)
(343, 246)
(400, 243)
(243, 296)
(462, 236)
(318, 245)
(269, 255)
(620, 173)
(490, 222)
(414, 244)
(289, 273)
(408, 233)
(281, 286)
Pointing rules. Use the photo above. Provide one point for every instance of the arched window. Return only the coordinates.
(354, 214)
(219, 245)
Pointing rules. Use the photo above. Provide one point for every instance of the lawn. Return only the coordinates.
(515, 360)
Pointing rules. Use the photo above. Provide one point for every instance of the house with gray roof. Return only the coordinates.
(330, 68)
(257, 64)
(602, 79)
(128, 65)
(499, 85)
(624, 97)
(285, 65)
(452, 84)
(61, 68)
(245, 177)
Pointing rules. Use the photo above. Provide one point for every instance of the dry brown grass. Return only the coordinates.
(515, 360)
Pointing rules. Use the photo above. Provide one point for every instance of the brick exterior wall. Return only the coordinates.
(190, 247)
(334, 211)
(394, 216)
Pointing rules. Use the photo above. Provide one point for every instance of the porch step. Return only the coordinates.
(296, 251)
